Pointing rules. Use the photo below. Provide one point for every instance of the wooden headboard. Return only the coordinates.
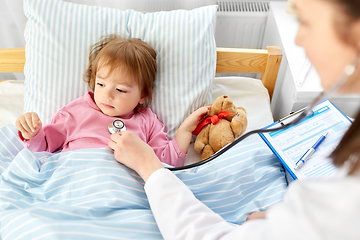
(229, 60)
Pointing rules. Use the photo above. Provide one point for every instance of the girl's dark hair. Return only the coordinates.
(135, 57)
(349, 146)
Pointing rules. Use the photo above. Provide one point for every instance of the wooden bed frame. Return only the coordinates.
(229, 60)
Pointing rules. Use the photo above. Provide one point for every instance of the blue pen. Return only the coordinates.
(309, 152)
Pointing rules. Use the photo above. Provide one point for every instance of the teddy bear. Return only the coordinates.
(224, 123)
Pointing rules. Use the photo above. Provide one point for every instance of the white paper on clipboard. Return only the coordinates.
(291, 143)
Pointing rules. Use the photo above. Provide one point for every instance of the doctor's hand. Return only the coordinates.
(131, 151)
(29, 125)
(256, 215)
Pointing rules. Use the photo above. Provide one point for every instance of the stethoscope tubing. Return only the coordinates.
(238, 140)
(348, 71)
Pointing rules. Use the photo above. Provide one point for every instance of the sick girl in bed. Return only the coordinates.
(121, 75)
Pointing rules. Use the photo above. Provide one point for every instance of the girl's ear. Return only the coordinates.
(142, 100)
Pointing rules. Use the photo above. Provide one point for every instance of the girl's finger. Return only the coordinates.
(25, 125)
(35, 121)
(21, 128)
(29, 122)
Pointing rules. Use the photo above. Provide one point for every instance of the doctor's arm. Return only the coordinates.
(178, 213)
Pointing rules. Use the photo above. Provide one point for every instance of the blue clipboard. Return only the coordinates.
(291, 143)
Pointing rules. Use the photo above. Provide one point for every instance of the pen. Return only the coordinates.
(309, 152)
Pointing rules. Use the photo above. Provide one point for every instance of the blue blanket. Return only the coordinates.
(87, 194)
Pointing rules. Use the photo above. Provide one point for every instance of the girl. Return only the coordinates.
(312, 208)
(121, 75)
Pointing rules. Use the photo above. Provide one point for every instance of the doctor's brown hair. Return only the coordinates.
(349, 146)
(132, 56)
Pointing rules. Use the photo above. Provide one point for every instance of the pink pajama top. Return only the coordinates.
(81, 124)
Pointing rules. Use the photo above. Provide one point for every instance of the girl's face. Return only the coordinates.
(317, 34)
(115, 93)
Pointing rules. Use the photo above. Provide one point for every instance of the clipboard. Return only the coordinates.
(291, 143)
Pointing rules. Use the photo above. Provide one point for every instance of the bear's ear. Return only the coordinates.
(217, 106)
(228, 106)
(242, 109)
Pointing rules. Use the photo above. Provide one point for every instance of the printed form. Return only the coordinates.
(291, 143)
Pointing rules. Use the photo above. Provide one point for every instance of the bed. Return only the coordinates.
(86, 194)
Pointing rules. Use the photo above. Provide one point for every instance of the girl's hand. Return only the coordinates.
(131, 151)
(184, 133)
(194, 119)
(29, 125)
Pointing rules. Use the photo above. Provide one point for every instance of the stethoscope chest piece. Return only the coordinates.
(116, 126)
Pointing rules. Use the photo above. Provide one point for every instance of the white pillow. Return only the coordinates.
(248, 93)
(58, 36)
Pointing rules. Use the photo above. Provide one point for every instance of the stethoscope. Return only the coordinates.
(303, 113)
(118, 125)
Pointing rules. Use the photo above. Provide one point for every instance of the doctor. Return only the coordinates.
(312, 209)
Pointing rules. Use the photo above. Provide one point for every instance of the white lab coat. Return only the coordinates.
(312, 209)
